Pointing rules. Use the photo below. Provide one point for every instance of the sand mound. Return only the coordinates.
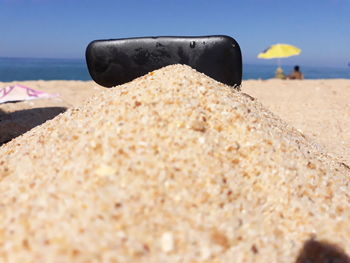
(172, 167)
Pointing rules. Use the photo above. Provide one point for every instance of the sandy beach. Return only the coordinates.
(176, 167)
(317, 108)
(17, 118)
(320, 109)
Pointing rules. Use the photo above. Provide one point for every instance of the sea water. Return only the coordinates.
(18, 69)
(251, 71)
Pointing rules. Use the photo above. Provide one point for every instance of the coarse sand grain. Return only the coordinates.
(171, 167)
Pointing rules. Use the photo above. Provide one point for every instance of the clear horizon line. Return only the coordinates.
(30, 57)
(244, 63)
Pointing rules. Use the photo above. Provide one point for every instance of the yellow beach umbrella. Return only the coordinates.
(279, 51)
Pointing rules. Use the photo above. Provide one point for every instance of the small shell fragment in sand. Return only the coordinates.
(167, 242)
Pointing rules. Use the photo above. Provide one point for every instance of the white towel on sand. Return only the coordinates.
(20, 93)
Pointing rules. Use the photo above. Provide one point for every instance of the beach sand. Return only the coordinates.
(317, 108)
(17, 118)
(320, 109)
(176, 167)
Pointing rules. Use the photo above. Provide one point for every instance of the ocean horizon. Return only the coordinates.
(21, 69)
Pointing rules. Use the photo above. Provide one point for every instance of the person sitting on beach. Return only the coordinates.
(279, 74)
(296, 74)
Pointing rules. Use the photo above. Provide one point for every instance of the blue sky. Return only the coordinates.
(63, 28)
